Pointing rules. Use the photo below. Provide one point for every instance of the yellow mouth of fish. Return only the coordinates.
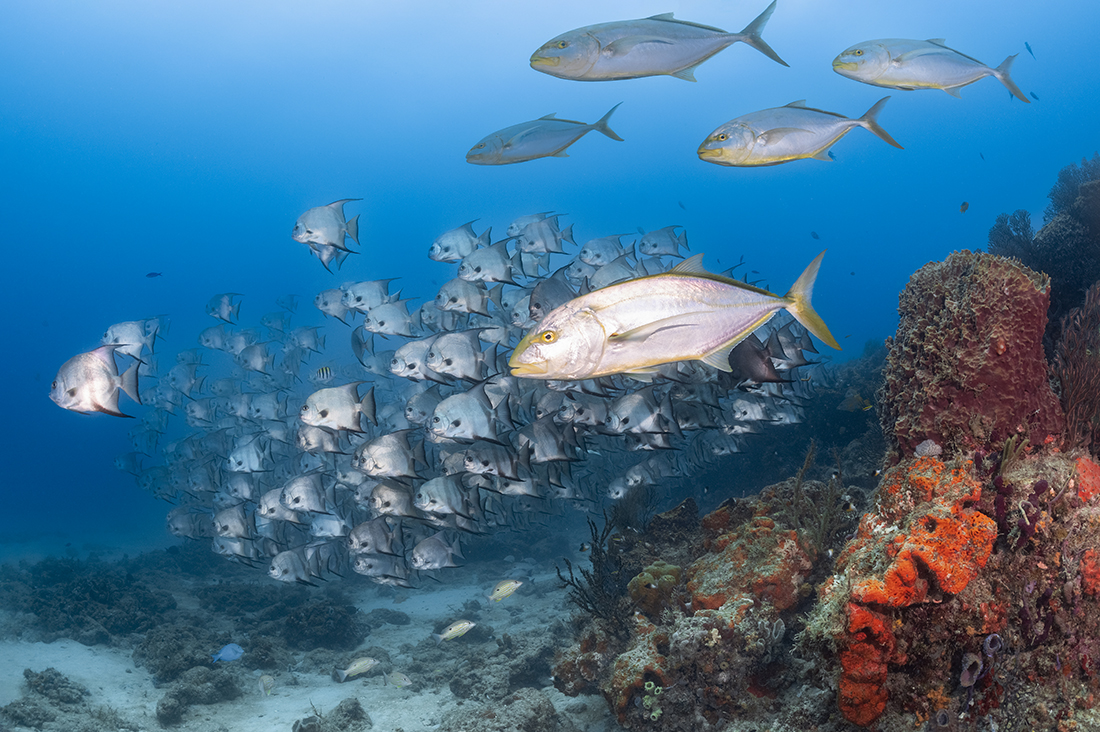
(537, 60)
(709, 152)
(839, 65)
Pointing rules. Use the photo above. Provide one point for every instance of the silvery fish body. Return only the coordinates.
(289, 566)
(224, 306)
(130, 337)
(434, 553)
(331, 302)
(458, 355)
(372, 537)
(489, 264)
(250, 455)
(420, 407)
(655, 46)
(339, 408)
(410, 361)
(90, 382)
(317, 439)
(442, 495)
(468, 416)
(464, 297)
(663, 242)
(901, 63)
(362, 296)
(325, 226)
(782, 134)
(520, 222)
(598, 252)
(632, 327)
(389, 456)
(539, 138)
(544, 236)
(305, 494)
(271, 508)
(391, 318)
(457, 244)
(390, 499)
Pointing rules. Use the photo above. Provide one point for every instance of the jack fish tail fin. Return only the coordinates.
(800, 307)
(601, 124)
(751, 35)
(1001, 72)
(869, 122)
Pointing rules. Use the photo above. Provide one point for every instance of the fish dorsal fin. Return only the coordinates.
(720, 358)
(625, 44)
(796, 103)
(691, 265)
(662, 16)
(552, 115)
(938, 41)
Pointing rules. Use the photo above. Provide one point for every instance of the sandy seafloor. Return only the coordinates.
(117, 684)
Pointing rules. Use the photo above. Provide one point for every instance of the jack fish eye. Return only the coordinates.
(722, 137)
(562, 44)
(858, 52)
(548, 336)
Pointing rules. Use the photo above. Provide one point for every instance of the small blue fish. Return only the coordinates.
(1033, 96)
(831, 156)
(151, 275)
(229, 652)
(814, 235)
(1028, 47)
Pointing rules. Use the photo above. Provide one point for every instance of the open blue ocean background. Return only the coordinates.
(187, 137)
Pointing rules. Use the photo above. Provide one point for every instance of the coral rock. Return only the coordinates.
(967, 365)
(652, 587)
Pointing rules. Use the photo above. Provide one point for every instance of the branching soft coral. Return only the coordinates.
(1077, 366)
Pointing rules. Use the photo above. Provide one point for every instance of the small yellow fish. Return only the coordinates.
(266, 685)
(358, 666)
(853, 402)
(324, 373)
(397, 679)
(503, 589)
(454, 630)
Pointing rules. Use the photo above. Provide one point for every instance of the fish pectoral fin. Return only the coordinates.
(560, 154)
(643, 332)
(822, 154)
(771, 137)
(626, 44)
(953, 91)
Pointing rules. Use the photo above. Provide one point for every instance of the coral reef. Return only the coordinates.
(526, 709)
(325, 623)
(1077, 367)
(966, 367)
(348, 716)
(651, 589)
(1067, 247)
(198, 685)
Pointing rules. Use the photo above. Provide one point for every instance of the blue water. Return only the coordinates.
(186, 138)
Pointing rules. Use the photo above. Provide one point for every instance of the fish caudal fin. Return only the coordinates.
(129, 382)
(869, 122)
(601, 124)
(1001, 72)
(751, 35)
(800, 307)
(341, 676)
(353, 228)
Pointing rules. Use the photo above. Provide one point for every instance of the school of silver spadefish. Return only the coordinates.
(287, 459)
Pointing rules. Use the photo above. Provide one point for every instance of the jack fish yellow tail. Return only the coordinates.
(800, 307)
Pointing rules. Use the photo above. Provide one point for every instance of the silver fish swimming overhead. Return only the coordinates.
(659, 45)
